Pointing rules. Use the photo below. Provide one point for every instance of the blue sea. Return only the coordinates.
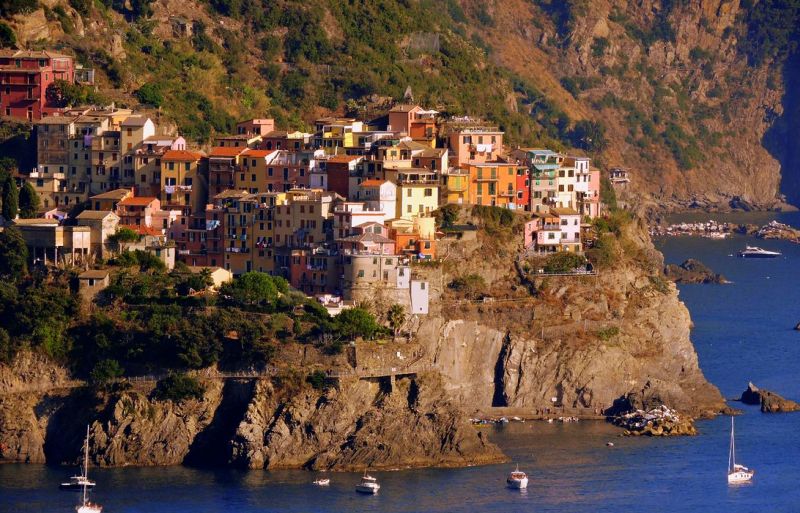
(743, 332)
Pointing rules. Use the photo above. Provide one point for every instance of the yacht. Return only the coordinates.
(323, 481)
(368, 484)
(517, 479)
(737, 474)
(76, 483)
(755, 252)
(85, 506)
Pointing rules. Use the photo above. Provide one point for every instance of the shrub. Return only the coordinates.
(356, 322)
(563, 262)
(104, 372)
(150, 94)
(255, 289)
(7, 37)
(178, 388)
(599, 46)
(606, 334)
(317, 380)
(471, 286)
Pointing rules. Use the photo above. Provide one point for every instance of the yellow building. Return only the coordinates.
(252, 175)
(456, 191)
(264, 231)
(335, 134)
(416, 197)
(182, 184)
(300, 219)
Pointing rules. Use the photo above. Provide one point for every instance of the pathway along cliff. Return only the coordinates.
(616, 340)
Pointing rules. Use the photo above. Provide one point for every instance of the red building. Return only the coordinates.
(523, 188)
(24, 78)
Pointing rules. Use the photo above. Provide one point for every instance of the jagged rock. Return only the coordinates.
(752, 395)
(693, 271)
(770, 401)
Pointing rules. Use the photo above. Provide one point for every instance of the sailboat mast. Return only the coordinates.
(732, 454)
(85, 463)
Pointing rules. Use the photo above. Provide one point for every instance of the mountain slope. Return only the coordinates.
(680, 91)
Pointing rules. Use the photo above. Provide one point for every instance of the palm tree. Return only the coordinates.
(397, 317)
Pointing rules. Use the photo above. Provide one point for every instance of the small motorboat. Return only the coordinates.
(517, 479)
(76, 483)
(368, 485)
(756, 252)
(322, 481)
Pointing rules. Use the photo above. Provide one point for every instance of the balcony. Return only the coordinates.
(237, 250)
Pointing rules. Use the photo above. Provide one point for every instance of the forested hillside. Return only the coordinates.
(680, 91)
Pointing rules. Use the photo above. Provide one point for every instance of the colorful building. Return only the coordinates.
(24, 78)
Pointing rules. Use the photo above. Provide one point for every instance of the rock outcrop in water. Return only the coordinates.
(693, 271)
(770, 402)
(660, 421)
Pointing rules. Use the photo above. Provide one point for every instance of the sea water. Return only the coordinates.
(743, 332)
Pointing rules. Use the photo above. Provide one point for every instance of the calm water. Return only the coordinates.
(743, 331)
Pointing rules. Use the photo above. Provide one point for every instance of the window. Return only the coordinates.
(361, 273)
(253, 177)
(428, 192)
(408, 193)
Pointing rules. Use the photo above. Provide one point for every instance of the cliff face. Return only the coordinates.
(586, 341)
(682, 107)
(249, 423)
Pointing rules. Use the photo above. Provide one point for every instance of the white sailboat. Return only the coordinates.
(737, 474)
(85, 506)
(77, 483)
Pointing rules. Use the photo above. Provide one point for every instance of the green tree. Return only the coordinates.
(356, 322)
(178, 388)
(7, 37)
(105, 372)
(150, 94)
(28, 202)
(316, 379)
(397, 317)
(8, 349)
(255, 289)
(10, 197)
(123, 235)
(563, 262)
(13, 254)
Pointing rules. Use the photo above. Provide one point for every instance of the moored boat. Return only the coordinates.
(368, 484)
(324, 481)
(85, 506)
(517, 479)
(737, 474)
(756, 252)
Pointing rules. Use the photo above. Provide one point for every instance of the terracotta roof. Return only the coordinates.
(372, 183)
(344, 159)
(95, 214)
(138, 201)
(135, 121)
(183, 155)
(96, 274)
(564, 212)
(116, 194)
(257, 153)
(276, 133)
(404, 107)
(231, 193)
(142, 230)
(368, 237)
(226, 152)
(36, 222)
(31, 54)
(56, 120)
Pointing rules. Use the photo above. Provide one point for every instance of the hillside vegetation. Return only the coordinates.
(680, 91)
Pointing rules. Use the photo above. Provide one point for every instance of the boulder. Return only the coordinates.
(692, 271)
(770, 401)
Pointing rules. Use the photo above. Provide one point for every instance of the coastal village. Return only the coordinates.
(339, 213)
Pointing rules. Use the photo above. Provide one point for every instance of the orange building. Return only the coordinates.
(493, 184)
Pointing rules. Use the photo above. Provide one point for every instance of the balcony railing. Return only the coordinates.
(237, 250)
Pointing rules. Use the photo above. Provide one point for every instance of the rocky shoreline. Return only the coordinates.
(693, 271)
(720, 230)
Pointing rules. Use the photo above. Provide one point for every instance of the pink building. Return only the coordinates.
(255, 127)
(138, 210)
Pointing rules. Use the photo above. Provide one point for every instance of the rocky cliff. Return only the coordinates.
(407, 422)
